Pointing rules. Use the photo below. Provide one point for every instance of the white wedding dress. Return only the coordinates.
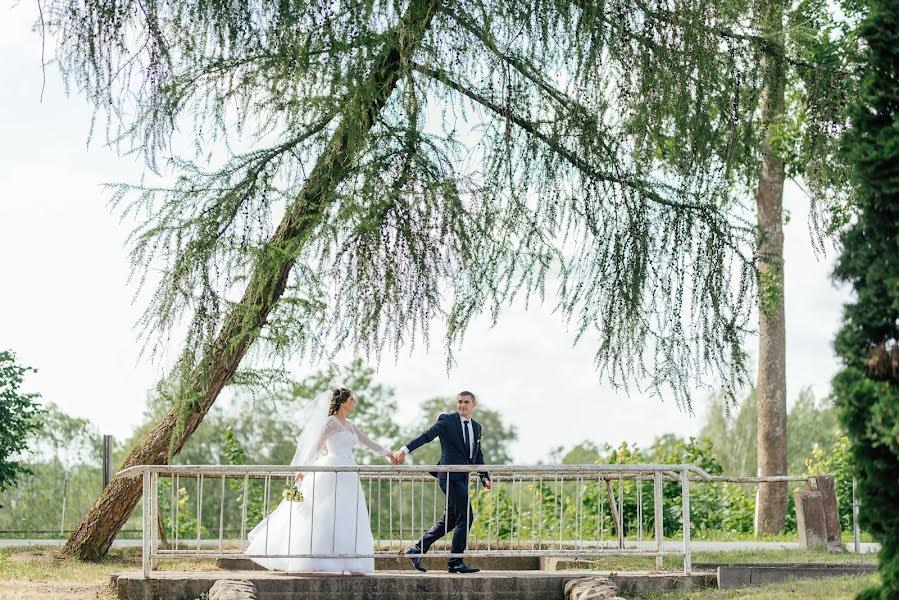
(332, 519)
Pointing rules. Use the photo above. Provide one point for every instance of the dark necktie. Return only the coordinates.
(467, 436)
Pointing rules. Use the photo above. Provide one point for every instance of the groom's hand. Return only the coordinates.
(487, 484)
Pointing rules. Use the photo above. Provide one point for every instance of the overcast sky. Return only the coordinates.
(66, 308)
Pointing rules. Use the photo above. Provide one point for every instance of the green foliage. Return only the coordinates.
(867, 389)
(19, 416)
(255, 499)
(184, 517)
(733, 434)
(811, 424)
(64, 454)
(607, 184)
(771, 291)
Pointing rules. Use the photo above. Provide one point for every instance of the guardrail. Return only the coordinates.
(547, 494)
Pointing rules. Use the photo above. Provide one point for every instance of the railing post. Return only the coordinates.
(685, 490)
(658, 516)
(154, 520)
(145, 555)
(856, 532)
(616, 516)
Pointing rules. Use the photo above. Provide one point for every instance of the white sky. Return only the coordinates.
(66, 309)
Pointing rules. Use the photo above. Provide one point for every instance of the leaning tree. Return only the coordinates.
(867, 389)
(361, 168)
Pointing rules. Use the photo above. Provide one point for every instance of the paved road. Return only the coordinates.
(670, 545)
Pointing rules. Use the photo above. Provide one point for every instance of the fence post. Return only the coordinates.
(685, 494)
(107, 460)
(65, 494)
(145, 536)
(856, 532)
(659, 515)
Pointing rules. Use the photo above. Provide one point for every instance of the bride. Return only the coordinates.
(326, 521)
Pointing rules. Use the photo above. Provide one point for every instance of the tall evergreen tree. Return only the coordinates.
(425, 158)
(867, 389)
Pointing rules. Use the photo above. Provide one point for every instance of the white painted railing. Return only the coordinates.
(546, 494)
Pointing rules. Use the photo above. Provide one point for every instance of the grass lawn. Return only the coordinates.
(35, 572)
(647, 563)
(831, 588)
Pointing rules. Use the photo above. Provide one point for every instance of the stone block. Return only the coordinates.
(734, 576)
(591, 588)
(827, 488)
(232, 589)
(810, 519)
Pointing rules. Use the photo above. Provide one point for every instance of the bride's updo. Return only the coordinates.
(338, 397)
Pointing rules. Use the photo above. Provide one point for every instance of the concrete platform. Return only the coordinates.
(517, 585)
(737, 576)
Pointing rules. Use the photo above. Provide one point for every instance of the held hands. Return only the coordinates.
(398, 457)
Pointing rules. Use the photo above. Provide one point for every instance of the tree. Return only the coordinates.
(867, 389)
(801, 118)
(385, 220)
(733, 433)
(63, 460)
(584, 453)
(771, 384)
(811, 424)
(19, 414)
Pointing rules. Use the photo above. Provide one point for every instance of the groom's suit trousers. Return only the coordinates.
(454, 519)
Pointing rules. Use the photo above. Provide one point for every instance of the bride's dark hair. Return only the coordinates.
(338, 397)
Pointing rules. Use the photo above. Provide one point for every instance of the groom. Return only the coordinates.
(460, 444)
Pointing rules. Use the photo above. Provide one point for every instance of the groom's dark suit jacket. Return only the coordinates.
(452, 443)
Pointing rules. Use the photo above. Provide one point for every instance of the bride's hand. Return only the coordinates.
(298, 477)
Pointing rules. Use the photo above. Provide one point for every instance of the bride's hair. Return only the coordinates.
(338, 397)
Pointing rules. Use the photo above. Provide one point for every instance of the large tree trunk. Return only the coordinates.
(96, 531)
(771, 389)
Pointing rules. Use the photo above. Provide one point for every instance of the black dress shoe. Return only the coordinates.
(461, 568)
(415, 556)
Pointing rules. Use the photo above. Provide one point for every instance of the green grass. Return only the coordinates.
(831, 588)
(42, 564)
(715, 535)
(676, 563)
(38, 573)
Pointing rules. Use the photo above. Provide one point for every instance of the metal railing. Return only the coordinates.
(565, 504)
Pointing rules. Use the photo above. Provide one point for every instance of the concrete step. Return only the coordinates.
(400, 563)
(398, 585)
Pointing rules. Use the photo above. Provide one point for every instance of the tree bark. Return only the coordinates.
(771, 388)
(98, 528)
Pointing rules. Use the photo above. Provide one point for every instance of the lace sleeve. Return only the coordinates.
(371, 445)
(327, 431)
